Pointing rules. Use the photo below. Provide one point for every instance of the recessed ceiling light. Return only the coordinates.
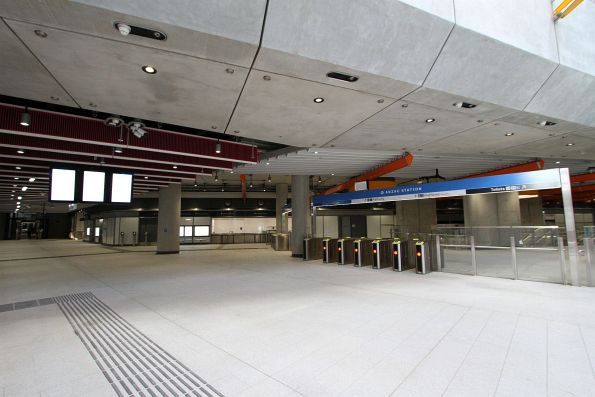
(509, 134)
(118, 150)
(546, 123)
(20, 151)
(25, 119)
(268, 163)
(146, 177)
(557, 162)
(16, 178)
(18, 202)
(570, 144)
(318, 100)
(149, 69)
(315, 152)
(24, 188)
(229, 70)
(175, 167)
(18, 198)
(18, 168)
(431, 120)
(333, 174)
(31, 179)
(218, 147)
(41, 33)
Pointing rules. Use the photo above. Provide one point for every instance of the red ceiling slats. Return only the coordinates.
(52, 145)
(82, 129)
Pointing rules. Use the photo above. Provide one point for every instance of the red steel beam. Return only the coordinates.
(67, 147)
(525, 167)
(402, 162)
(64, 127)
(582, 178)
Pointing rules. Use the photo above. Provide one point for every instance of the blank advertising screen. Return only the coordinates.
(201, 231)
(93, 186)
(63, 182)
(121, 188)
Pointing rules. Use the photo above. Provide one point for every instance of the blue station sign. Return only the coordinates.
(534, 180)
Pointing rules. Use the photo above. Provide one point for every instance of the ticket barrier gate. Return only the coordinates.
(400, 255)
(362, 252)
(382, 256)
(329, 250)
(345, 254)
(423, 262)
(312, 248)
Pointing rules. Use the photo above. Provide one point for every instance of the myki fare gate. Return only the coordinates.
(381, 250)
(312, 248)
(400, 255)
(329, 250)
(423, 257)
(345, 254)
(362, 252)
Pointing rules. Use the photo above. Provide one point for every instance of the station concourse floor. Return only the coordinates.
(248, 321)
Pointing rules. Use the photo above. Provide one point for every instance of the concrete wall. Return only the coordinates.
(327, 226)
(242, 225)
(532, 212)
(416, 216)
(380, 225)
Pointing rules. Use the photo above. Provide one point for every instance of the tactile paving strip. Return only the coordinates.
(132, 363)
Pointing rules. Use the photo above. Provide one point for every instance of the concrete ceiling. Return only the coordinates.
(220, 71)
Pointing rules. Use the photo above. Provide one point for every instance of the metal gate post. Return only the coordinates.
(588, 253)
(438, 254)
(515, 270)
(562, 260)
(473, 257)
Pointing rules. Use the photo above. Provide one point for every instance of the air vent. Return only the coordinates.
(342, 76)
(126, 29)
(464, 105)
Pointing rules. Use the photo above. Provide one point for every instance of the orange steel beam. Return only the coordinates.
(582, 178)
(565, 8)
(402, 162)
(526, 167)
(575, 190)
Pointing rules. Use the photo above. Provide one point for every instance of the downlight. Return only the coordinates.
(546, 123)
(149, 69)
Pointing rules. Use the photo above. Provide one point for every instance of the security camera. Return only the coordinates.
(123, 28)
(137, 128)
(113, 121)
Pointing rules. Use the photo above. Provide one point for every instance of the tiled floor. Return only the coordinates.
(254, 322)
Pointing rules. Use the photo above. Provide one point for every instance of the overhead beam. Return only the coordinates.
(525, 167)
(582, 178)
(398, 164)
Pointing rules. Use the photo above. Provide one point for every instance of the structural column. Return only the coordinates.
(281, 190)
(168, 221)
(300, 212)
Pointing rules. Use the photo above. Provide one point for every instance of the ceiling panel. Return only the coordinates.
(556, 147)
(488, 138)
(442, 100)
(282, 109)
(23, 75)
(221, 34)
(477, 66)
(323, 161)
(185, 91)
(386, 38)
(534, 120)
(403, 126)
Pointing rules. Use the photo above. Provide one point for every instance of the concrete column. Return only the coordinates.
(499, 209)
(416, 216)
(532, 212)
(168, 221)
(300, 212)
(281, 190)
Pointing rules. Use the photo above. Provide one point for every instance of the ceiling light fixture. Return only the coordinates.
(318, 100)
(137, 128)
(464, 105)
(216, 177)
(332, 174)
(31, 179)
(24, 188)
(40, 33)
(146, 177)
(25, 119)
(123, 28)
(218, 147)
(319, 179)
(19, 197)
(430, 120)
(118, 150)
(268, 163)
(17, 168)
(175, 167)
(20, 151)
(149, 69)
(113, 121)
(16, 178)
(570, 144)
(509, 134)
(557, 162)
(546, 123)
(269, 179)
